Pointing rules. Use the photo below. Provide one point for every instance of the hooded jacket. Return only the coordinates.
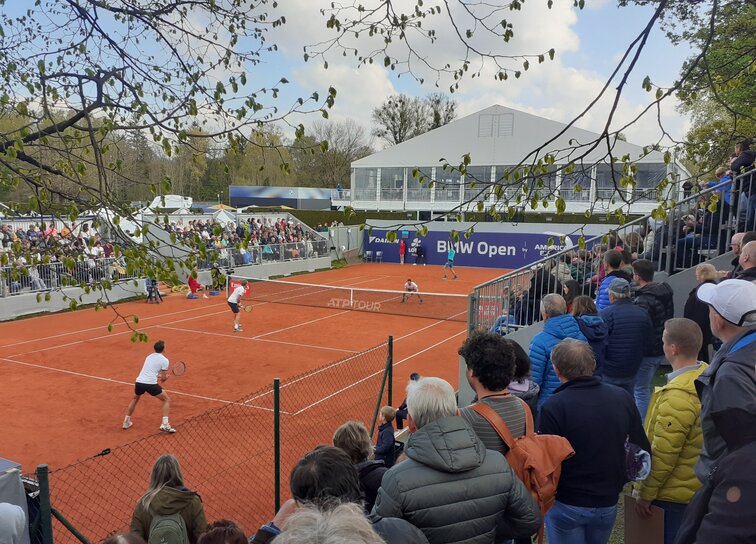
(658, 300)
(602, 296)
(454, 490)
(171, 500)
(596, 332)
(529, 394)
(629, 327)
(554, 331)
(673, 426)
(370, 474)
(729, 382)
(716, 513)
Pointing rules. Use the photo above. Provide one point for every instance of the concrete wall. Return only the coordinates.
(267, 270)
(12, 307)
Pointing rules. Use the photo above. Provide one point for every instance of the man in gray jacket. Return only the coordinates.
(451, 487)
(729, 382)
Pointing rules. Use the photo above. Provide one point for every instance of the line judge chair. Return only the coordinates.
(379, 256)
(368, 256)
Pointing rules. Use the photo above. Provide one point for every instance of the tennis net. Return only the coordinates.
(433, 306)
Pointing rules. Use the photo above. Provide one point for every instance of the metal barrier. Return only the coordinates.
(691, 231)
(269, 253)
(37, 278)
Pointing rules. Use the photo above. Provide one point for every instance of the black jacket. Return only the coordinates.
(629, 326)
(744, 163)
(748, 274)
(370, 474)
(698, 311)
(658, 300)
(384, 447)
(717, 513)
(596, 418)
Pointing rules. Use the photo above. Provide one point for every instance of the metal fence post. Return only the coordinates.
(390, 371)
(277, 442)
(45, 509)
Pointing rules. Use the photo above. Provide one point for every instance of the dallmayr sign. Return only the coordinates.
(484, 249)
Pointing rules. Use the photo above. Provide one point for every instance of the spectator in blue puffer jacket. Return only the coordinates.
(593, 328)
(613, 266)
(630, 329)
(559, 325)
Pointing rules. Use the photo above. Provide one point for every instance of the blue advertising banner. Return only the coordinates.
(483, 249)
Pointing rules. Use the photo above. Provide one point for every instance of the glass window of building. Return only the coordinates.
(580, 177)
(416, 191)
(365, 185)
(606, 186)
(647, 178)
(392, 184)
(505, 177)
(448, 185)
(480, 177)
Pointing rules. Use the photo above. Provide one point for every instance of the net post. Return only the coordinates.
(390, 371)
(277, 443)
(45, 508)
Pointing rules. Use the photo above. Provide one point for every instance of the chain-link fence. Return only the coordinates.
(228, 454)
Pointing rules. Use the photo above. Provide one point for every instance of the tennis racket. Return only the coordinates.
(178, 369)
(247, 308)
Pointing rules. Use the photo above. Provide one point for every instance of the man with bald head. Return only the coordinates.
(747, 261)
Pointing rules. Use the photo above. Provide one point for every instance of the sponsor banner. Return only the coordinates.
(483, 249)
(233, 284)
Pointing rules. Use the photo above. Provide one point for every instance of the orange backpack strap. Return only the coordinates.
(496, 422)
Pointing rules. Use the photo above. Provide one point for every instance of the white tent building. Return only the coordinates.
(498, 139)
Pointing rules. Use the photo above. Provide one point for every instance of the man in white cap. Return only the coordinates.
(730, 380)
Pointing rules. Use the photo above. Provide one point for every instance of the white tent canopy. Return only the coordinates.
(224, 217)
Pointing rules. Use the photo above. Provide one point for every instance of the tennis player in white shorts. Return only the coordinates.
(154, 370)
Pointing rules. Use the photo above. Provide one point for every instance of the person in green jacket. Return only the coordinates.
(673, 426)
(166, 496)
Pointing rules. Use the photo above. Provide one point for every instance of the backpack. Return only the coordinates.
(536, 459)
(168, 529)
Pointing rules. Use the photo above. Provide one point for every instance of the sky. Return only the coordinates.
(588, 45)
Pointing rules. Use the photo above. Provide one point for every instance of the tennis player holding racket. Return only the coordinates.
(234, 302)
(155, 369)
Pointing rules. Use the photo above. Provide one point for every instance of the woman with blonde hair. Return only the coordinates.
(699, 311)
(354, 439)
(168, 497)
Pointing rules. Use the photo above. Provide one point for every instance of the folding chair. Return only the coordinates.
(368, 256)
(379, 256)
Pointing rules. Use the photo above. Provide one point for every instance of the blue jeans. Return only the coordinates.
(643, 379)
(625, 383)
(567, 524)
(673, 515)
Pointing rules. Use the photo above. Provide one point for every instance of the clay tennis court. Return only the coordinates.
(67, 381)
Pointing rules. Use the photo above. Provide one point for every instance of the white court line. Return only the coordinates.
(100, 327)
(113, 334)
(377, 373)
(300, 324)
(119, 382)
(257, 339)
(158, 316)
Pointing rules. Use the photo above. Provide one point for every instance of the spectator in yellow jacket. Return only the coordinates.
(673, 426)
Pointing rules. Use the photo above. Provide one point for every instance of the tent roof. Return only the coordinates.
(498, 135)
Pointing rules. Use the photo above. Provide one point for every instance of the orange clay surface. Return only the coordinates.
(66, 381)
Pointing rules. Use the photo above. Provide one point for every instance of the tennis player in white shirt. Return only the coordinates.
(155, 368)
(233, 301)
(411, 288)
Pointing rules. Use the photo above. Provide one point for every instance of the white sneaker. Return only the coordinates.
(205, 296)
(167, 429)
(126, 424)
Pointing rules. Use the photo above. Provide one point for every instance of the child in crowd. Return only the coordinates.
(384, 447)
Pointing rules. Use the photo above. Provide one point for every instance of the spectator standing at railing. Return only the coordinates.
(657, 299)
(558, 326)
(743, 164)
(698, 311)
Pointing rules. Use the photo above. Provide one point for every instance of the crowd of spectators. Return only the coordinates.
(34, 257)
(268, 239)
